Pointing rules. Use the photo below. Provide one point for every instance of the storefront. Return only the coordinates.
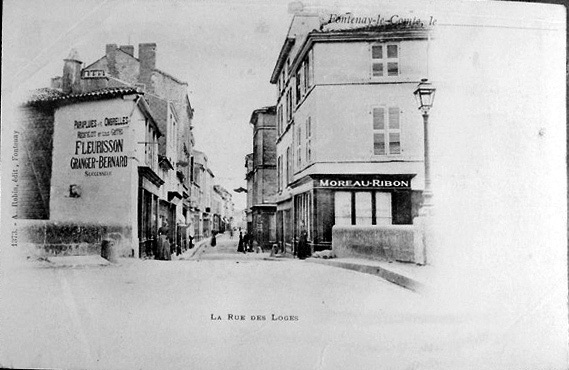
(328, 200)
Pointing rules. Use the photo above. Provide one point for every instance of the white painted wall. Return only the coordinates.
(350, 62)
(103, 197)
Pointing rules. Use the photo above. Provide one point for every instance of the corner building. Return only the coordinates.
(349, 135)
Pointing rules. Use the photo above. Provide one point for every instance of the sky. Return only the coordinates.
(224, 50)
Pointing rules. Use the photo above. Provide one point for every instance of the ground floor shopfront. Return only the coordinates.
(318, 202)
(263, 227)
(155, 211)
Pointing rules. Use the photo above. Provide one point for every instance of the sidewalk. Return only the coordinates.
(407, 275)
(199, 245)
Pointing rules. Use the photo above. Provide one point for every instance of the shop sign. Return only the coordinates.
(373, 183)
(99, 144)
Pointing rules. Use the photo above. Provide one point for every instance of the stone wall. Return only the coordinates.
(48, 238)
(377, 242)
(35, 146)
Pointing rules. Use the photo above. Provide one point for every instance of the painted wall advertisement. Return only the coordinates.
(99, 145)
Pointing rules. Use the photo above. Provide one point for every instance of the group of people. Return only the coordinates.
(303, 249)
(245, 243)
(164, 249)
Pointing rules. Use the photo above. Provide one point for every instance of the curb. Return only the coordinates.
(199, 246)
(392, 277)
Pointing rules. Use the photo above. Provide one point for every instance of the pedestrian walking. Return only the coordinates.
(213, 240)
(240, 247)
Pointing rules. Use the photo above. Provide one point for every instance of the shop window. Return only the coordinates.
(382, 208)
(343, 208)
(386, 138)
(384, 60)
(363, 208)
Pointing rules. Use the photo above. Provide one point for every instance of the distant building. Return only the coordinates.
(261, 177)
(349, 138)
(202, 199)
(222, 208)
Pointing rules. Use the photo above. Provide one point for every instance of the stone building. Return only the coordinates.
(222, 209)
(86, 166)
(349, 139)
(201, 199)
(162, 191)
(169, 98)
(261, 177)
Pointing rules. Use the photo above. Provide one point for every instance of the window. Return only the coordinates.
(299, 146)
(288, 165)
(299, 82)
(279, 173)
(308, 154)
(343, 208)
(382, 208)
(362, 208)
(279, 120)
(385, 60)
(289, 105)
(304, 77)
(386, 131)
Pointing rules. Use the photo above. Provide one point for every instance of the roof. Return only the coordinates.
(170, 76)
(105, 57)
(270, 110)
(43, 94)
(55, 97)
(48, 95)
(285, 49)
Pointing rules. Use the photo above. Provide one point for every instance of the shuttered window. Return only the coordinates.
(384, 60)
(386, 137)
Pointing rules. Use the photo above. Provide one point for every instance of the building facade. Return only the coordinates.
(99, 165)
(261, 177)
(349, 139)
(170, 104)
(118, 104)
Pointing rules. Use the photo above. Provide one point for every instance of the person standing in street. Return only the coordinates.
(163, 243)
(213, 240)
(240, 244)
(303, 247)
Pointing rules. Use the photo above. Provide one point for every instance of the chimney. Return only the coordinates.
(147, 57)
(129, 49)
(110, 53)
(71, 79)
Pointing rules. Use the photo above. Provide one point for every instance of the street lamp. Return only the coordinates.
(425, 95)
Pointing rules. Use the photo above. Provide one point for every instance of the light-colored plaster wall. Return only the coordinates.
(102, 199)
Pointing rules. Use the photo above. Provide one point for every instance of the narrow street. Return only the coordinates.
(226, 249)
(224, 310)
